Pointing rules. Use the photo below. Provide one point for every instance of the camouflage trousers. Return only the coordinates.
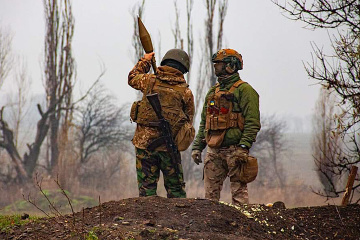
(148, 167)
(217, 167)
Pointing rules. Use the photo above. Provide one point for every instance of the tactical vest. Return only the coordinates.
(170, 97)
(220, 115)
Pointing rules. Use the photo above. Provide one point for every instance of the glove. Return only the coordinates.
(196, 156)
(149, 56)
(240, 155)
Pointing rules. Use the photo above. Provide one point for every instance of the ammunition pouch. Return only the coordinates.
(134, 111)
(220, 115)
(215, 138)
(221, 122)
(248, 170)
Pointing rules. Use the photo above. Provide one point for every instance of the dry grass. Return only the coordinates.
(123, 184)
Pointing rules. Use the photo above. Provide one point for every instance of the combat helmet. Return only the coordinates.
(177, 55)
(229, 56)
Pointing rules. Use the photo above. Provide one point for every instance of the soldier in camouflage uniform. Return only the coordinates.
(230, 121)
(177, 104)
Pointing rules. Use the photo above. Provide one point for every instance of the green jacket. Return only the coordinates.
(246, 101)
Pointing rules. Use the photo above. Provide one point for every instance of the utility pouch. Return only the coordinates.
(249, 170)
(214, 138)
(134, 111)
(240, 121)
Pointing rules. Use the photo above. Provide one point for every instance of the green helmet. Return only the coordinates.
(178, 55)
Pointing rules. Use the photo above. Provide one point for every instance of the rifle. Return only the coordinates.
(162, 124)
(166, 134)
(145, 40)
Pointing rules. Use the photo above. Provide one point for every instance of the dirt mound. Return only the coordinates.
(162, 218)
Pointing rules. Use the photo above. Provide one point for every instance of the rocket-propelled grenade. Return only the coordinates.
(145, 40)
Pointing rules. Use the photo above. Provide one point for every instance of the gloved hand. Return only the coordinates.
(149, 56)
(240, 155)
(196, 156)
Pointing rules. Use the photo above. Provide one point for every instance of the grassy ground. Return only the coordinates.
(9, 221)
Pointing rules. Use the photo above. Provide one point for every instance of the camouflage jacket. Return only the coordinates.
(139, 79)
(247, 102)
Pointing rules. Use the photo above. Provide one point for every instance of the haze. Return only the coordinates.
(272, 46)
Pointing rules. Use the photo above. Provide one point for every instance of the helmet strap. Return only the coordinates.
(230, 68)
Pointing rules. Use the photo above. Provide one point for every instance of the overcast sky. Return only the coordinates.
(272, 46)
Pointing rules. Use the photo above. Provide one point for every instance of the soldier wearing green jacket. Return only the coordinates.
(230, 121)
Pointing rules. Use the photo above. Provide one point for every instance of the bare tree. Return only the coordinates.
(327, 147)
(202, 86)
(212, 38)
(102, 142)
(59, 70)
(5, 55)
(323, 14)
(7, 142)
(19, 103)
(209, 39)
(269, 146)
(101, 124)
(339, 71)
(190, 35)
(18, 107)
(25, 166)
(137, 11)
(222, 10)
(179, 41)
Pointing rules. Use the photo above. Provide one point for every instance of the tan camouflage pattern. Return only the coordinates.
(219, 165)
(139, 79)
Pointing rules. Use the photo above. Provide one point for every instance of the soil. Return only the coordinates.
(162, 218)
